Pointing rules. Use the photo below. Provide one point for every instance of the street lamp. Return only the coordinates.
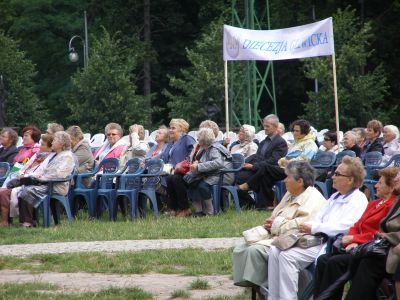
(73, 55)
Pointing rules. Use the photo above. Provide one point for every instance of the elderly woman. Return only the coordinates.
(30, 138)
(304, 143)
(178, 201)
(204, 171)
(52, 128)
(300, 204)
(391, 145)
(350, 142)
(137, 146)
(113, 146)
(81, 149)
(36, 165)
(330, 142)
(375, 142)
(178, 149)
(9, 139)
(330, 267)
(59, 166)
(161, 138)
(337, 215)
(245, 144)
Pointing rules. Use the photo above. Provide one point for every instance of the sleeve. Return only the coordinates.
(280, 150)
(343, 219)
(215, 162)
(60, 168)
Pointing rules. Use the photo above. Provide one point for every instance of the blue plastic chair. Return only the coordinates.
(369, 182)
(279, 189)
(129, 183)
(237, 165)
(372, 161)
(342, 154)
(148, 184)
(45, 202)
(4, 170)
(89, 194)
(324, 160)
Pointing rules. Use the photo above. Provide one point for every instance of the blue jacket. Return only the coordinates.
(178, 151)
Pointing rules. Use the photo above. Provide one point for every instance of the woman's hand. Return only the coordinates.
(268, 223)
(194, 166)
(350, 246)
(305, 228)
(247, 166)
(347, 239)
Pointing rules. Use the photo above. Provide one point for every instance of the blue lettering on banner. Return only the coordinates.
(276, 47)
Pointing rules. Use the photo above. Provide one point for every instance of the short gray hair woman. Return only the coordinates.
(209, 160)
(59, 167)
(81, 149)
(300, 204)
(245, 145)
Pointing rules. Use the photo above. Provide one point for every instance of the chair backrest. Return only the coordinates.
(125, 138)
(342, 154)
(394, 161)
(4, 169)
(220, 136)
(192, 133)
(132, 167)
(109, 166)
(323, 159)
(20, 141)
(97, 140)
(153, 167)
(372, 159)
(87, 136)
(237, 161)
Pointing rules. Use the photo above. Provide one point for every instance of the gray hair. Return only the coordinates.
(210, 124)
(75, 132)
(140, 128)
(273, 119)
(352, 135)
(205, 136)
(301, 170)
(12, 134)
(249, 132)
(54, 127)
(64, 139)
(115, 126)
(393, 129)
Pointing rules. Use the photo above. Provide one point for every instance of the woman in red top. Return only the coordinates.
(330, 266)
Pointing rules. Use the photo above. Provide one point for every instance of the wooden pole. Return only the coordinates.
(226, 97)
(336, 97)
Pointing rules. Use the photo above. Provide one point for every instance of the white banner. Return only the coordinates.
(309, 40)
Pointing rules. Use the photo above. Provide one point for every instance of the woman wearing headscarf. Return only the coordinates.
(245, 144)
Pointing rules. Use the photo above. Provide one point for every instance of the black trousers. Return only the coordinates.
(25, 211)
(261, 181)
(329, 269)
(177, 192)
(367, 278)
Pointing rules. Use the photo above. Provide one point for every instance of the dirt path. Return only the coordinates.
(160, 285)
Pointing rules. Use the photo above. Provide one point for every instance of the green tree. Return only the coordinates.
(204, 79)
(361, 93)
(106, 91)
(22, 104)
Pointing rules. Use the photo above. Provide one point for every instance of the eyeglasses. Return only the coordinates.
(338, 174)
(112, 134)
(327, 139)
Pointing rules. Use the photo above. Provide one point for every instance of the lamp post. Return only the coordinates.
(73, 55)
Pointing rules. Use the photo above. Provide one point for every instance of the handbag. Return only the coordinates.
(29, 181)
(301, 240)
(182, 167)
(192, 178)
(255, 234)
(376, 247)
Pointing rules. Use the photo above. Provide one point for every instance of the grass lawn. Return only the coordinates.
(227, 224)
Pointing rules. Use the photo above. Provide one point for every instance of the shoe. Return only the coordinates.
(184, 213)
(199, 214)
(26, 225)
(170, 212)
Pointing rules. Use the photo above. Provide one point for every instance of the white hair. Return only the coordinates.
(393, 129)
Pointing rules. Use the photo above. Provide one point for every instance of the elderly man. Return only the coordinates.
(270, 150)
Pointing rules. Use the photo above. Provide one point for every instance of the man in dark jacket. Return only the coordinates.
(259, 172)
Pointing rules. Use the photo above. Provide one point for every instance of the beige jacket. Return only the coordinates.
(290, 213)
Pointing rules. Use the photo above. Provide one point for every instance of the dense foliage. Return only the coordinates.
(186, 65)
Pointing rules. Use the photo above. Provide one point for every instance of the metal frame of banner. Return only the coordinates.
(250, 82)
